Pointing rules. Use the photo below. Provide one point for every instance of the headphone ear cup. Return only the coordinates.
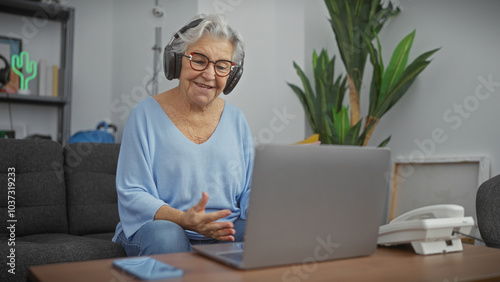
(4, 76)
(178, 64)
(172, 61)
(4, 72)
(169, 62)
(233, 79)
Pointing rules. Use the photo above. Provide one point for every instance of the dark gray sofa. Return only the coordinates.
(63, 204)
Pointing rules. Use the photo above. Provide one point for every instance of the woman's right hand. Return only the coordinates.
(197, 220)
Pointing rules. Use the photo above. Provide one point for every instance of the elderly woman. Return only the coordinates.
(186, 157)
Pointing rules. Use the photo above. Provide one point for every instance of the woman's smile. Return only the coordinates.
(203, 86)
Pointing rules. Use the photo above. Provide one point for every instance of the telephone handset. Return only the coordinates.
(430, 230)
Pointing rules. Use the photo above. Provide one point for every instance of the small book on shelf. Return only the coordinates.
(48, 79)
(42, 77)
(48, 83)
(55, 81)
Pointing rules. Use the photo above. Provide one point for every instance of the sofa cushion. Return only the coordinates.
(54, 248)
(39, 193)
(103, 236)
(90, 172)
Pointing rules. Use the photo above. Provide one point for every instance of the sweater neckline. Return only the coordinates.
(184, 137)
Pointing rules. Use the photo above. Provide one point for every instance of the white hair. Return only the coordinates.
(216, 26)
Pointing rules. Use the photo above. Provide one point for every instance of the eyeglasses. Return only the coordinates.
(199, 62)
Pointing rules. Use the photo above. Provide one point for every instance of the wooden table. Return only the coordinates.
(475, 263)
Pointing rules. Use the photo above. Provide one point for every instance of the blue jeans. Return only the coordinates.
(163, 237)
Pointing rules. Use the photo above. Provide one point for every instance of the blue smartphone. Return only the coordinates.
(147, 268)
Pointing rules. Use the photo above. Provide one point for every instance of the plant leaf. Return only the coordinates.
(397, 63)
(340, 86)
(363, 135)
(307, 107)
(404, 82)
(341, 123)
(352, 136)
(329, 136)
(378, 70)
(309, 96)
(350, 19)
(385, 142)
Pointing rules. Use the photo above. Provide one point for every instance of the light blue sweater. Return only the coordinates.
(158, 165)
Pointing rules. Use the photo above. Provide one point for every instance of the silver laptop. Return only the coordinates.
(310, 203)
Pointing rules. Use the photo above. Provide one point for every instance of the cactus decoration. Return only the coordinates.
(30, 68)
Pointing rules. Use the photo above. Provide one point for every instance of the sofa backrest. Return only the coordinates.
(90, 171)
(37, 182)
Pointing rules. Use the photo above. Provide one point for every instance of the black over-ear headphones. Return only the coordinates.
(172, 61)
(4, 72)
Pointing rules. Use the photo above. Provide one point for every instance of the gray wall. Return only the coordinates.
(92, 63)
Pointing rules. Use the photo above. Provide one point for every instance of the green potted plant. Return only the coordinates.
(356, 25)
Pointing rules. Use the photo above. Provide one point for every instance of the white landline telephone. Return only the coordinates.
(430, 230)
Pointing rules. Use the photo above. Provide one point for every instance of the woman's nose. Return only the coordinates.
(209, 72)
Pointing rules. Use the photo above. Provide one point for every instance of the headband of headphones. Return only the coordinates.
(172, 61)
(4, 72)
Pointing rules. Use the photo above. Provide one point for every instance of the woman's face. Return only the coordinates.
(202, 87)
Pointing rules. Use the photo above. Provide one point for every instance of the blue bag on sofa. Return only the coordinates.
(99, 135)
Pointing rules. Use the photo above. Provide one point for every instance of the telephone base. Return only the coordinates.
(437, 247)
